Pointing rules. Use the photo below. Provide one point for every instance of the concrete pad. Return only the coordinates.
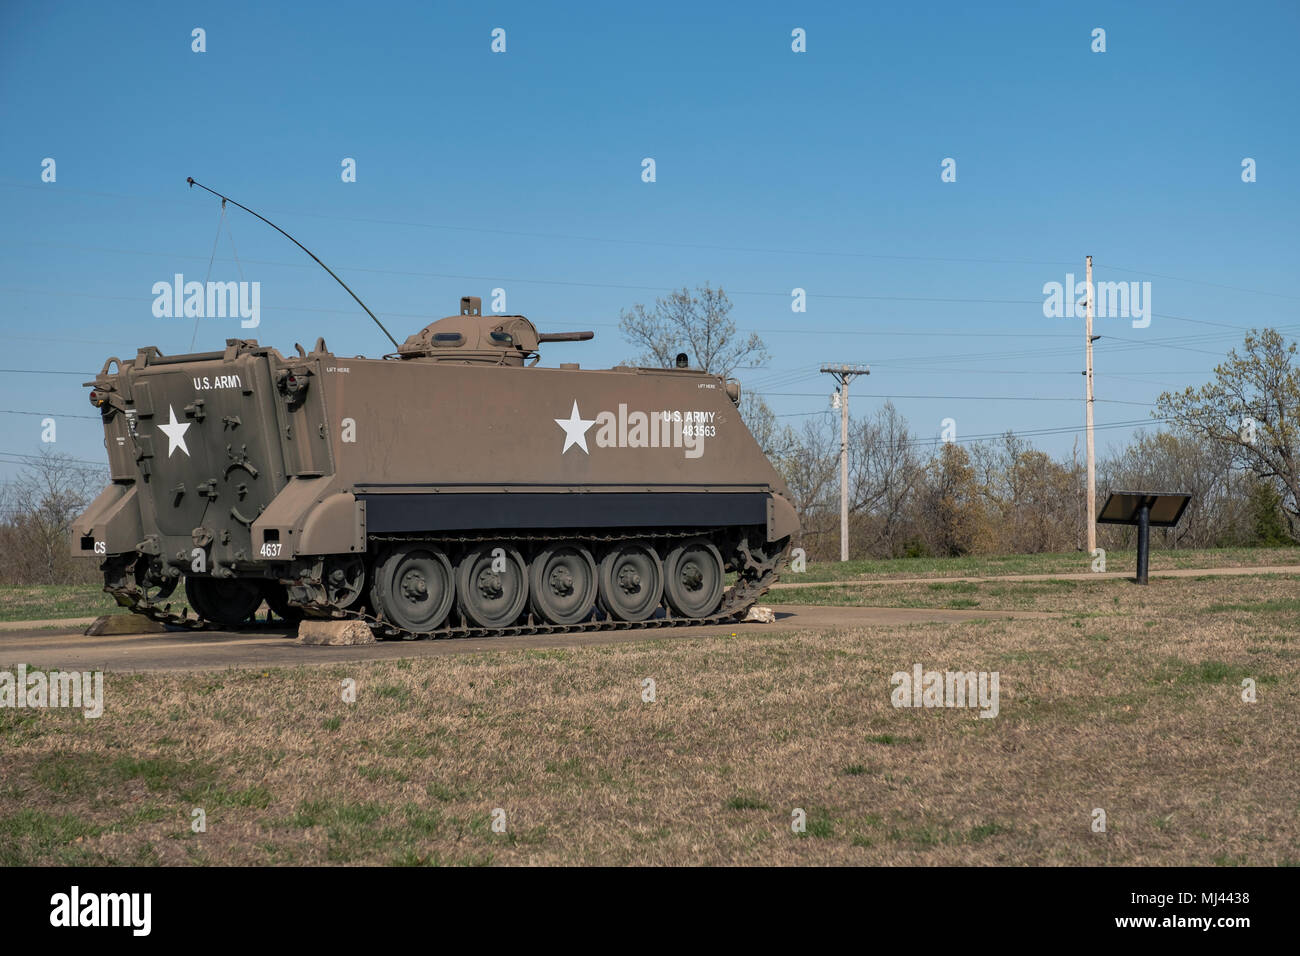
(334, 633)
(111, 624)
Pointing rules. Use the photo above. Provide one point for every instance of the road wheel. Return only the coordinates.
(413, 588)
(345, 579)
(693, 578)
(492, 585)
(562, 584)
(631, 581)
(277, 599)
(224, 601)
(157, 587)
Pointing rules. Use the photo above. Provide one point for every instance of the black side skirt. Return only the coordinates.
(454, 512)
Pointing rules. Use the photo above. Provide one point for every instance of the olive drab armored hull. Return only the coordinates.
(454, 487)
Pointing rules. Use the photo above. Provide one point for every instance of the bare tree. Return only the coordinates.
(1185, 461)
(699, 325)
(884, 473)
(762, 423)
(1029, 497)
(39, 507)
(809, 464)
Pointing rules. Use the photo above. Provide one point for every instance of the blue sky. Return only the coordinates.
(775, 170)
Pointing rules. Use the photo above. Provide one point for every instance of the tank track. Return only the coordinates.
(752, 581)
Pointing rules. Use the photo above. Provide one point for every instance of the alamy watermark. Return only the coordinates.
(212, 300)
(1114, 300)
(133, 911)
(922, 688)
(80, 689)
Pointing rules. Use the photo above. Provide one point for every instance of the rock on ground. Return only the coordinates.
(334, 633)
(108, 624)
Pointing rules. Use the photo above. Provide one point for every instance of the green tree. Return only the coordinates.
(1253, 408)
(1268, 528)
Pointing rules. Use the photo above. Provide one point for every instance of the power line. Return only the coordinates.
(11, 411)
(1217, 285)
(1114, 343)
(603, 240)
(831, 253)
(1021, 433)
(964, 398)
(781, 293)
(24, 459)
(1128, 344)
(1039, 432)
(569, 283)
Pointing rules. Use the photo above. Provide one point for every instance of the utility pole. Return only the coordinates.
(844, 374)
(1091, 516)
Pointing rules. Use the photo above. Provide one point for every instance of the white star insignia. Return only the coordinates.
(175, 432)
(575, 429)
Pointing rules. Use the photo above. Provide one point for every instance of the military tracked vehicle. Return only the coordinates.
(451, 488)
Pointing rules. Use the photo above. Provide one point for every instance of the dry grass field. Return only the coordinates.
(1129, 700)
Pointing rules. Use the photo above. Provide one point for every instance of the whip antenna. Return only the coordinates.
(227, 199)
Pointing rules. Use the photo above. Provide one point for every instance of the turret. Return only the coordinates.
(474, 337)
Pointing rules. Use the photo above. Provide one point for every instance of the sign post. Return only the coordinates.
(1144, 509)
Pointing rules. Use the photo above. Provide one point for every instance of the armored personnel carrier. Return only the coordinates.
(453, 487)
